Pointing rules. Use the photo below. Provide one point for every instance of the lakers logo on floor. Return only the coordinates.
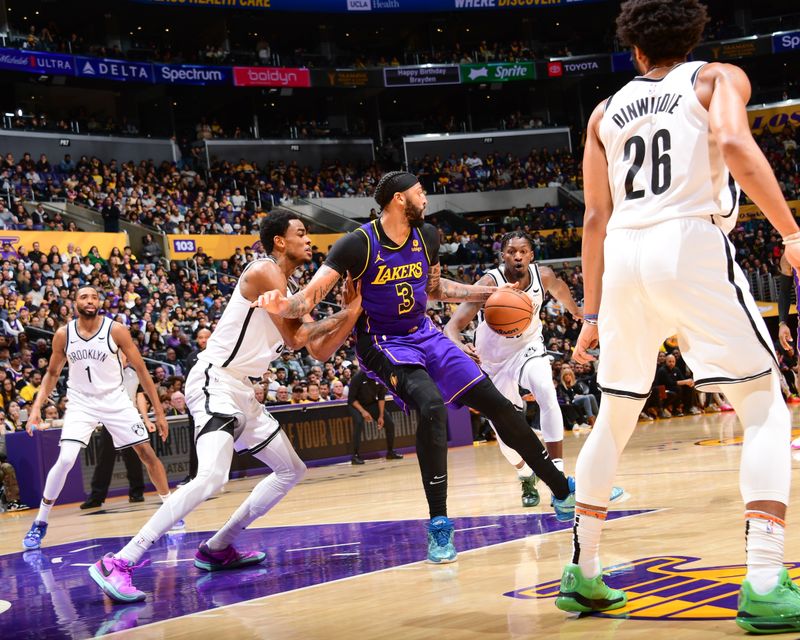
(664, 588)
(733, 440)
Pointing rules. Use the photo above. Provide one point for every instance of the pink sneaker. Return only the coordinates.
(796, 444)
(113, 576)
(227, 558)
(726, 407)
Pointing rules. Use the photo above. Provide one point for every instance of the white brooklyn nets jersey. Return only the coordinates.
(663, 162)
(246, 340)
(496, 350)
(95, 367)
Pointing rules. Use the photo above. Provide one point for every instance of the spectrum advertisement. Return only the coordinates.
(376, 6)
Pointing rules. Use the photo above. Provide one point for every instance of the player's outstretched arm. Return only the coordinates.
(302, 302)
(324, 337)
(727, 112)
(599, 206)
(439, 288)
(559, 289)
(122, 337)
(462, 317)
(57, 360)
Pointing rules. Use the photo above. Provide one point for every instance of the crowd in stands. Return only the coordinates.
(256, 49)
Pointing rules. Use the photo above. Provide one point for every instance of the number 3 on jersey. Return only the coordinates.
(661, 177)
(406, 293)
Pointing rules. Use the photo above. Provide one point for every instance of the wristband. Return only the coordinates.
(792, 238)
(590, 316)
(590, 321)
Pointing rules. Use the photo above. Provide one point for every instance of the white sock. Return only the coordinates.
(764, 536)
(44, 512)
(137, 547)
(524, 471)
(559, 464)
(164, 498)
(586, 544)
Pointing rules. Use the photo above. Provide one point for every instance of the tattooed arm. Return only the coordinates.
(439, 288)
(302, 302)
(323, 337)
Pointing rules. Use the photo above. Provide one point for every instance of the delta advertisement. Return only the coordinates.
(774, 116)
(377, 6)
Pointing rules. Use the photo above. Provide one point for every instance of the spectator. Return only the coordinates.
(8, 479)
(110, 213)
(366, 400)
(679, 388)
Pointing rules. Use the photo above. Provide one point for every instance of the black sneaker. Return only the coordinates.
(16, 505)
(135, 498)
(92, 503)
(356, 459)
(393, 455)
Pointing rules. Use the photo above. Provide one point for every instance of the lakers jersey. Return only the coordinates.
(494, 349)
(393, 284)
(246, 339)
(95, 367)
(663, 161)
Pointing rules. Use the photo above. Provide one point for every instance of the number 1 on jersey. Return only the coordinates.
(89, 373)
(661, 163)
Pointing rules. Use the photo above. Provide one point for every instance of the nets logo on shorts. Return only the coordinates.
(662, 588)
(139, 429)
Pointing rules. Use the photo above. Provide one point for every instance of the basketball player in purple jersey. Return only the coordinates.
(396, 260)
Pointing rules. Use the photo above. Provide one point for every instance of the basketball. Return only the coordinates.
(508, 312)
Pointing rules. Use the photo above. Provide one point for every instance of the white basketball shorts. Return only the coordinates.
(677, 278)
(212, 391)
(114, 410)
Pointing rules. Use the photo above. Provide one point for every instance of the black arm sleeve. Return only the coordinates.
(349, 253)
(785, 284)
(430, 235)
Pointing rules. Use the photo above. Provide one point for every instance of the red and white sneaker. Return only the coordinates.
(227, 558)
(113, 576)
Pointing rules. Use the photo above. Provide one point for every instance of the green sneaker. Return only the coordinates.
(775, 612)
(530, 494)
(579, 594)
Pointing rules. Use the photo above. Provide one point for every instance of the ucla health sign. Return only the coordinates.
(37, 62)
(789, 41)
(109, 69)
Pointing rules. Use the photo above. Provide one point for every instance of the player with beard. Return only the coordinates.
(221, 397)
(93, 344)
(396, 260)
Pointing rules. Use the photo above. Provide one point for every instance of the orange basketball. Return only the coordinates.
(508, 312)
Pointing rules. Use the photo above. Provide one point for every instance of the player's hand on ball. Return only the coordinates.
(586, 340)
(34, 422)
(469, 349)
(272, 301)
(163, 427)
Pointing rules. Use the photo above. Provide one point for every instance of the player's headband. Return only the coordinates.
(395, 182)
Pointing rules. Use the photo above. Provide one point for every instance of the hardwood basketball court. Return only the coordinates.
(345, 549)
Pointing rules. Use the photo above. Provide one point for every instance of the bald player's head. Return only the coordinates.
(202, 338)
